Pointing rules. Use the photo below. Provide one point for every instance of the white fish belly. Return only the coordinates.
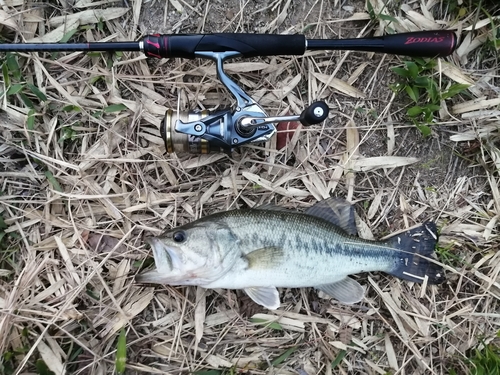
(297, 272)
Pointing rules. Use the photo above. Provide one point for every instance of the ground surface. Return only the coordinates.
(84, 177)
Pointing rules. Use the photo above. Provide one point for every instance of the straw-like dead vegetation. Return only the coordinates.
(84, 177)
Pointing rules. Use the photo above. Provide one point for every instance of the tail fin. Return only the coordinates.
(416, 245)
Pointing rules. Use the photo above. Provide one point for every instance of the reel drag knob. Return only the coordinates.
(314, 114)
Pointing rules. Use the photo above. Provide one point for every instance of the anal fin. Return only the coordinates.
(347, 290)
(265, 296)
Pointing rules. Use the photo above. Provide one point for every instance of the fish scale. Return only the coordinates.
(321, 245)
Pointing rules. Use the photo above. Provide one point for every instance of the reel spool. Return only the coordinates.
(180, 142)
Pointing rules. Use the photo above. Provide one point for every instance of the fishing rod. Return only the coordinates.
(246, 122)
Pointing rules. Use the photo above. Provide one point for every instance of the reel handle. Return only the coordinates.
(314, 114)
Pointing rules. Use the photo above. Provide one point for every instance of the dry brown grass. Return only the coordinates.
(76, 209)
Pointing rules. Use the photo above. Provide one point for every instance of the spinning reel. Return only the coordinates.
(246, 122)
(204, 132)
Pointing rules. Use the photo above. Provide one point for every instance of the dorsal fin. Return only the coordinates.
(271, 207)
(337, 211)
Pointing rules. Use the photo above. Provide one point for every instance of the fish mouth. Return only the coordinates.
(162, 255)
(163, 262)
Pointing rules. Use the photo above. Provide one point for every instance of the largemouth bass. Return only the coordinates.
(260, 249)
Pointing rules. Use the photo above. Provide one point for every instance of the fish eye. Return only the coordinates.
(179, 236)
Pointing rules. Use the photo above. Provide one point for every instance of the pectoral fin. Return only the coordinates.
(267, 257)
(347, 291)
(265, 296)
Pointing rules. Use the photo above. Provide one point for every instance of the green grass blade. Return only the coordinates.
(14, 89)
(273, 325)
(339, 359)
(282, 358)
(42, 368)
(30, 122)
(52, 180)
(115, 108)
(35, 90)
(121, 352)
(208, 372)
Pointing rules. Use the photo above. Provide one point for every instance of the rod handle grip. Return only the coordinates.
(248, 45)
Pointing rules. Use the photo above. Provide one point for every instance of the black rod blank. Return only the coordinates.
(70, 47)
(439, 43)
